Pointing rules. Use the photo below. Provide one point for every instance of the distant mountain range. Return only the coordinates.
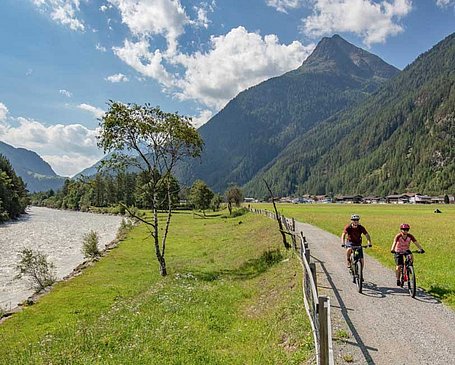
(401, 138)
(34, 171)
(344, 122)
(257, 125)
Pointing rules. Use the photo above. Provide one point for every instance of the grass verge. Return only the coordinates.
(435, 270)
(231, 297)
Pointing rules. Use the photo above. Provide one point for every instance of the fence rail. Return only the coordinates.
(316, 306)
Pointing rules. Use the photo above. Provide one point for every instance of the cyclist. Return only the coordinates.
(352, 236)
(400, 247)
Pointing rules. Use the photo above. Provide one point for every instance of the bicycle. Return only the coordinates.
(407, 273)
(356, 267)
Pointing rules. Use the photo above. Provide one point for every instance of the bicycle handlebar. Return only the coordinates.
(364, 246)
(407, 252)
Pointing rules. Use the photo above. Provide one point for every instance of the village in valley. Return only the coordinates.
(405, 198)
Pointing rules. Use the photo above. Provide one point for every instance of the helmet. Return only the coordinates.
(355, 217)
(405, 226)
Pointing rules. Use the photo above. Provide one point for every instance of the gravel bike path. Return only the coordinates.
(384, 325)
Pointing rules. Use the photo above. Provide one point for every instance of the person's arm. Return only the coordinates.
(394, 243)
(367, 235)
(343, 238)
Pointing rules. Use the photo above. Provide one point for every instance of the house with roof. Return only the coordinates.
(398, 199)
(352, 199)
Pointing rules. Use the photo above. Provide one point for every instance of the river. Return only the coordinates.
(56, 233)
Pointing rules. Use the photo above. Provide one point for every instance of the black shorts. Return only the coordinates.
(399, 257)
(359, 250)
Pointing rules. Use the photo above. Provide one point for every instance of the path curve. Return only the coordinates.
(385, 325)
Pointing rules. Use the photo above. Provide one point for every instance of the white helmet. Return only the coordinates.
(355, 217)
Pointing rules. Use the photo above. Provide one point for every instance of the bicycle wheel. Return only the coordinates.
(411, 281)
(359, 276)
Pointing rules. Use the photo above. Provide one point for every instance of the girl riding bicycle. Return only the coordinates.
(400, 247)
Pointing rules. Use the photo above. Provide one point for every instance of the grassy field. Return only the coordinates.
(436, 232)
(230, 298)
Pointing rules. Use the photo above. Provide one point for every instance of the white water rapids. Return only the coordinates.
(56, 233)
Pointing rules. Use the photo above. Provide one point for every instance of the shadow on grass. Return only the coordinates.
(440, 292)
(248, 270)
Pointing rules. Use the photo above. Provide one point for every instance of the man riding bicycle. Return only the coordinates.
(400, 247)
(352, 237)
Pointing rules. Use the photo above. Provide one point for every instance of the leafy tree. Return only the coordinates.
(13, 194)
(216, 202)
(201, 196)
(234, 196)
(159, 140)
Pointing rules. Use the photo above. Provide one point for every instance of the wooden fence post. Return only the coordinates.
(313, 273)
(323, 307)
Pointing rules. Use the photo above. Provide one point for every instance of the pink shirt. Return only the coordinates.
(403, 243)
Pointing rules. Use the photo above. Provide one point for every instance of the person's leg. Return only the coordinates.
(398, 268)
(348, 256)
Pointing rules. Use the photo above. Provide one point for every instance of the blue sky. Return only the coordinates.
(62, 60)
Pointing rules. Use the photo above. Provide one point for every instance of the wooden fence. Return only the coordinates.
(317, 306)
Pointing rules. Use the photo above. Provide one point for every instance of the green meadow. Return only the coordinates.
(232, 296)
(435, 232)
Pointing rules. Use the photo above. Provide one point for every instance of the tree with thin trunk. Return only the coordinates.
(151, 141)
(234, 196)
(201, 196)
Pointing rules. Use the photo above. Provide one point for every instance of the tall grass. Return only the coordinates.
(436, 232)
(231, 297)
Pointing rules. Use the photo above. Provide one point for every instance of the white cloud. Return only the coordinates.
(373, 21)
(154, 17)
(97, 112)
(284, 5)
(138, 56)
(67, 93)
(202, 118)
(445, 3)
(3, 112)
(63, 12)
(117, 78)
(68, 148)
(236, 61)
(100, 48)
(202, 11)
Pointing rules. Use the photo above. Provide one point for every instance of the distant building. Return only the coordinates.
(373, 199)
(398, 198)
(422, 199)
(352, 199)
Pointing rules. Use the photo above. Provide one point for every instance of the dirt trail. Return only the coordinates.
(385, 325)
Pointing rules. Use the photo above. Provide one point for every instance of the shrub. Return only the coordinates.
(35, 266)
(237, 213)
(125, 227)
(90, 245)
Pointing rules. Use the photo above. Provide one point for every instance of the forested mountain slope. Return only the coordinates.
(402, 138)
(260, 122)
(34, 171)
(13, 196)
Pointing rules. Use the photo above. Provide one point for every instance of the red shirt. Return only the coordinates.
(355, 233)
(403, 243)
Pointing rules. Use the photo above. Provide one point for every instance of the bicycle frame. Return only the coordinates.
(408, 274)
(356, 267)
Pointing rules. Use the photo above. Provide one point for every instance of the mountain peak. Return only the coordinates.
(335, 54)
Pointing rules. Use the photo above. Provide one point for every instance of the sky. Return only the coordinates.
(61, 61)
